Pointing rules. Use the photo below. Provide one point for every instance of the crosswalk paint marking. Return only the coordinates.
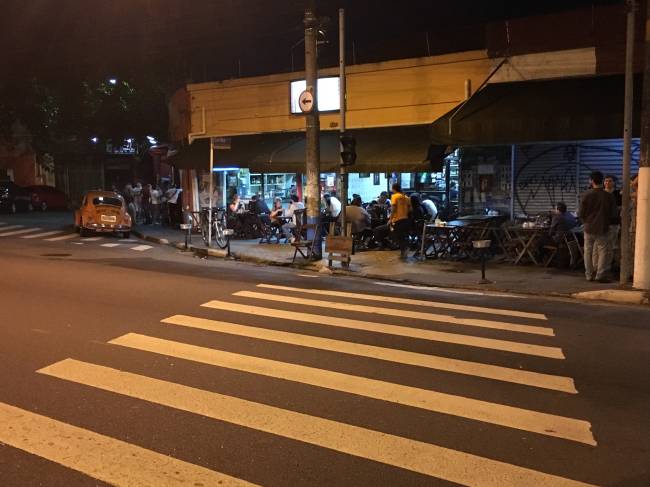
(141, 248)
(415, 302)
(508, 416)
(78, 243)
(416, 315)
(2, 223)
(128, 240)
(451, 291)
(98, 456)
(436, 336)
(18, 232)
(485, 371)
(44, 234)
(413, 455)
(12, 227)
(110, 245)
(92, 239)
(62, 237)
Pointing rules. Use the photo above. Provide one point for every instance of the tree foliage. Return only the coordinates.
(61, 114)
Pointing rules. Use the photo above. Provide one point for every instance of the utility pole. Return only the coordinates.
(642, 246)
(626, 247)
(343, 171)
(312, 156)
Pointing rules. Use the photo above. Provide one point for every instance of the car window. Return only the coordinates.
(107, 200)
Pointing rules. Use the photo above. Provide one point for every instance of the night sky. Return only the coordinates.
(197, 40)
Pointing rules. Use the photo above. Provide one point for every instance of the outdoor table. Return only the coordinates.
(446, 239)
(526, 238)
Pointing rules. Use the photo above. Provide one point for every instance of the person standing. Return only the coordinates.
(596, 210)
(156, 196)
(146, 204)
(399, 222)
(332, 211)
(615, 222)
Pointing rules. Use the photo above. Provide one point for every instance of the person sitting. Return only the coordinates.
(431, 209)
(384, 199)
(418, 211)
(276, 212)
(287, 228)
(561, 223)
(357, 216)
(258, 207)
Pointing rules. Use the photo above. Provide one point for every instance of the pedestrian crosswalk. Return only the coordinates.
(341, 315)
(66, 236)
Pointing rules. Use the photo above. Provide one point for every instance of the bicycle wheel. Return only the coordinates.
(204, 230)
(219, 235)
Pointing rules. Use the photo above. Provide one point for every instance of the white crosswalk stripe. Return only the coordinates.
(110, 245)
(141, 248)
(417, 315)
(62, 237)
(464, 367)
(113, 461)
(426, 458)
(19, 232)
(12, 227)
(405, 453)
(43, 234)
(424, 334)
(512, 417)
(93, 239)
(415, 302)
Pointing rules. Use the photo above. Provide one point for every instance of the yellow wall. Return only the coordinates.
(403, 92)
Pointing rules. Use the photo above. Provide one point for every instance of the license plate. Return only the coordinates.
(109, 218)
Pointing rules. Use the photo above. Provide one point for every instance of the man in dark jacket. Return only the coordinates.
(596, 210)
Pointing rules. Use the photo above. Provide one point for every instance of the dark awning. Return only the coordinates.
(539, 111)
(378, 150)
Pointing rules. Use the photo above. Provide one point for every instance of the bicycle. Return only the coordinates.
(218, 227)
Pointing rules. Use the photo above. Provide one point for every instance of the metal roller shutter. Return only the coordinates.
(548, 173)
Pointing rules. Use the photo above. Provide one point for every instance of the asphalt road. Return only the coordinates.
(135, 364)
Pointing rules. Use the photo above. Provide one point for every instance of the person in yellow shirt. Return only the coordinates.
(399, 221)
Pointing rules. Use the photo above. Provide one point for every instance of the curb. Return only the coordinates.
(614, 296)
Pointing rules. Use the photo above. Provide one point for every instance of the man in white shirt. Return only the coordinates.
(430, 207)
(156, 196)
(295, 204)
(332, 206)
(332, 211)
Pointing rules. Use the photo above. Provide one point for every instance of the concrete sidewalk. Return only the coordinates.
(386, 265)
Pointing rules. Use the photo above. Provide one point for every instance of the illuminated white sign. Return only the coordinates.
(328, 94)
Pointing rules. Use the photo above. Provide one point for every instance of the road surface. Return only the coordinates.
(126, 363)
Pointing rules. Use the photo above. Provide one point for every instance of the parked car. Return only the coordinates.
(47, 197)
(102, 212)
(13, 198)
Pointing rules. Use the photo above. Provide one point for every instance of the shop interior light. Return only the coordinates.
(224, 169)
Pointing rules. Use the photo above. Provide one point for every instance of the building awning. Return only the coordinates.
(539, 111)
(400, 149)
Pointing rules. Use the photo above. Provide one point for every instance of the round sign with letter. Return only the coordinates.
(306, 102)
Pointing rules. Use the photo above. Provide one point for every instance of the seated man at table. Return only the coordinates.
(357, 216)
(561, 223)
(258, 206)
